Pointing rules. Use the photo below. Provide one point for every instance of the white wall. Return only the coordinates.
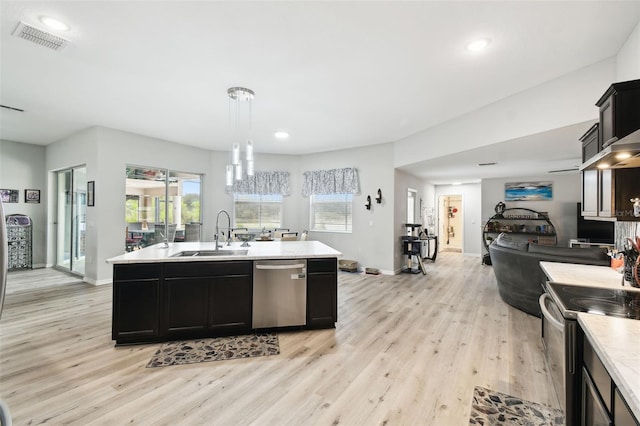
(371, 242)
(558, 103)
(628, 59)
(562, 209)
(22, 167)
(471, 211)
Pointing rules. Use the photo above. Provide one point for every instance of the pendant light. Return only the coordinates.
(240, 99)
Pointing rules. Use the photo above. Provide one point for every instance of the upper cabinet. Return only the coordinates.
(606, 190)
(619, 111)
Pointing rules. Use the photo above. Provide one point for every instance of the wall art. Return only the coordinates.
(528, 191)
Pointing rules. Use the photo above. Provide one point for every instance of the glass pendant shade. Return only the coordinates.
(249, 168)
(249, 150)
(229, 175)
(238, 171)
(235, 154)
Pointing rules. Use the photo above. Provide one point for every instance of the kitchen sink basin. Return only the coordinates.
(204, 253)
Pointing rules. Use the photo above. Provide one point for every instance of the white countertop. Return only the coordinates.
(617, 343)
(585, 275)
(258, 250)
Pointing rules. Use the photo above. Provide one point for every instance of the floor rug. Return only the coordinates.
(215, 349)
(494, 408)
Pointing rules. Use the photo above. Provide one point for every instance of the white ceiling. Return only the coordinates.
(333, 74)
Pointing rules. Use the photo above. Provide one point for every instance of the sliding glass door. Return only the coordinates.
(161, 204)
(71, 219)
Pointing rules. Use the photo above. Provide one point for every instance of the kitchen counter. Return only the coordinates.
(616, 341)
(584, 275)
(259, 250)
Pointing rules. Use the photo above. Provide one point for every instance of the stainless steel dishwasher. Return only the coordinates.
(279, 293)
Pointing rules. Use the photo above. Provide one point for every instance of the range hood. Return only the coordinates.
(622, 154)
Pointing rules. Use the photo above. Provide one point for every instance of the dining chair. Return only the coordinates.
(277, 233)
(289, 236)
(304, 235)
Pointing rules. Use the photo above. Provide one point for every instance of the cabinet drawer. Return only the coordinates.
(139, 271)
(207, 269)
(598, 374)
(322, 265)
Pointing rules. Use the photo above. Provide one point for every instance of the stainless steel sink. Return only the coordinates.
(204, 253)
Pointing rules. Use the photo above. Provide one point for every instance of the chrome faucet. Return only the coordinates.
(165, 240)
(218, 229)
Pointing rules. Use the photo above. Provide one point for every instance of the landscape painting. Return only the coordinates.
(528, 191)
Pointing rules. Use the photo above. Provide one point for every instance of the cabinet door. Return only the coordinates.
(606, 197)
(230, 303)
(136, 310)
(607, 121)
(593, 411)
(590, 193)
(622, 415)
(185, 306)
(322, 292)
(626, 188)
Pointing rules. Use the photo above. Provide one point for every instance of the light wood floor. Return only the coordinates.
(407, 350)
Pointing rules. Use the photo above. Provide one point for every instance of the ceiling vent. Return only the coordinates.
(574, 169)
(40, 37)
(486, 164)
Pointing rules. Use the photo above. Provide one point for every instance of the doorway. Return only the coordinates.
(412, 194)
(71, 219)
(450, 231)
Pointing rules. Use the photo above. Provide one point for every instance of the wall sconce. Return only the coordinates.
(379, 197)
(368, 203)
(636, 206)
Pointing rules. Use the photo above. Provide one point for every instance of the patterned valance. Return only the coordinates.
(262, 183)
(335, 181)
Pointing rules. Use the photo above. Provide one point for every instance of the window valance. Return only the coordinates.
(334, 181)
(262, 183)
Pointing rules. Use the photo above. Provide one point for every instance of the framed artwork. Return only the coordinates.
(528, 191)
(31, 195)
(91, 189)
(9, 195)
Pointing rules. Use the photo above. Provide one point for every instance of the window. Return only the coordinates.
(255, 211)
(331, 212)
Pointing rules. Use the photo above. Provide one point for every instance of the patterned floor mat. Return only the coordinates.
(494, 408)
(215, 349)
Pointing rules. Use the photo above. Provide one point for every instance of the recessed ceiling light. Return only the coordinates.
(54, 24)
(603, 166)
(623, 156)
(281, 135)
(478, 45)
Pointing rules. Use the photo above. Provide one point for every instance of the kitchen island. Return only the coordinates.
(192, 290)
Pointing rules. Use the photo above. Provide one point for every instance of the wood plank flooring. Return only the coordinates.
(407, 350)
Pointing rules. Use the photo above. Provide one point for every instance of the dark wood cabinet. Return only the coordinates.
(601, 403)
(591, 144)
(607, 193)
(181, 300)
(619, 111)
(322, 292)
(136, 303)
(230, 299)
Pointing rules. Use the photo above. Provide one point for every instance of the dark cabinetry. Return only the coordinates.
(607, 193)
(619, 111)
(600, 401)
(136, 303)
(207, 296)
(322, 292)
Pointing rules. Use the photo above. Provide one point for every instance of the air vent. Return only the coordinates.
(40, 37)
(486, 164)
(574, 169)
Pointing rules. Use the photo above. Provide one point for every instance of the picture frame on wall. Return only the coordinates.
(31, 195)
(91, 189)
(9, 195)
(528, 191)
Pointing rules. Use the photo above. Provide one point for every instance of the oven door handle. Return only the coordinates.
(543, 307)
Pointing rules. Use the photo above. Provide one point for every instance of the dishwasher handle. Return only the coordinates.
(286, 266)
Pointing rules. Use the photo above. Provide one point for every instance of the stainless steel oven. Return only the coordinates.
(560, 305)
